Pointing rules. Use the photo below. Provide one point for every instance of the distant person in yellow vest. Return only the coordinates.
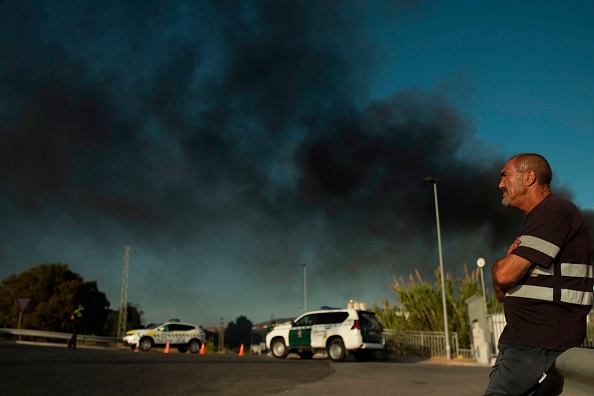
(76, 318)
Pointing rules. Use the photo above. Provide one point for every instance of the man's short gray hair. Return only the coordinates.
(536, 163)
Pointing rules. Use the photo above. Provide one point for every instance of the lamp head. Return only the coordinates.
(429, 179)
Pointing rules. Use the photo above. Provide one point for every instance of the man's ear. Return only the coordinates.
(529, 177)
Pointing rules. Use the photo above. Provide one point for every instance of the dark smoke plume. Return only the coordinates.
(218, 137)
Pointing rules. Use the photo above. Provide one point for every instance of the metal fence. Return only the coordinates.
(432, 343)
(423, 343)
(39, 335)
(497, 322)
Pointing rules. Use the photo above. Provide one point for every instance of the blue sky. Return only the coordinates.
(524, 70)
(229, 142)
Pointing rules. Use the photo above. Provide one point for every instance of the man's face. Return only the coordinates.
(511, 185)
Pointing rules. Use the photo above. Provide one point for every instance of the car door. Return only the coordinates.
(371, 329)
(183, 333)
(300, 333)
(161, 335)
(328, 324)
(174, 334)
(319, 331)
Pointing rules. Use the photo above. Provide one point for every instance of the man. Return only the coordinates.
(545, 280)
(76, 318)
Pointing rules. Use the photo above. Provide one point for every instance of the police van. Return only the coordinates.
(338, 332)
(183, 336)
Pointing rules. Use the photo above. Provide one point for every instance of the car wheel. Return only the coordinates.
(146, 343)
(279, 349)
(306, 354)
(336, 350)
(194, 346)
(363, 355)
(182, 349)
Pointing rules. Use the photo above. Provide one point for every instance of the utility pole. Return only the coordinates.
(124, 299)
(433, 181)
(221, 336)
(304, 287)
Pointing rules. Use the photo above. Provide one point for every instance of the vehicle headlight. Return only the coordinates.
(130, 337)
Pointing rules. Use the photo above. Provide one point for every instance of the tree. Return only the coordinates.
(422, 301)
(239, 332)
(55, 293)
(96, 309)
(133, 321)
(422, 309)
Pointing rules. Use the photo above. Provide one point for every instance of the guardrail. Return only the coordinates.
(576, 366)
(81, 338)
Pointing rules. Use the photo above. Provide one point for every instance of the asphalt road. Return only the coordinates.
(41, 370)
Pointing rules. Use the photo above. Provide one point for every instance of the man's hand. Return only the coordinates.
(514, 246)
(499, 292)
(508, 271)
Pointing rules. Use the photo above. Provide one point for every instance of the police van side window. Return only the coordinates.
(308, 320)
(184, 327)
(332, 317)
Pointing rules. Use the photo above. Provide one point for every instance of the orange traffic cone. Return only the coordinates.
(166, 348)
(240, 351)
(202, 349)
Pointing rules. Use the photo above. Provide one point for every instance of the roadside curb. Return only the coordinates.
(435, 360)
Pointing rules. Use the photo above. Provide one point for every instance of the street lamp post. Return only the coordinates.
(433, 181)
(304, 287)
(481, 263)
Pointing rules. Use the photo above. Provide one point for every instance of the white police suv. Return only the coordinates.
(339, 332)
(183, 336)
